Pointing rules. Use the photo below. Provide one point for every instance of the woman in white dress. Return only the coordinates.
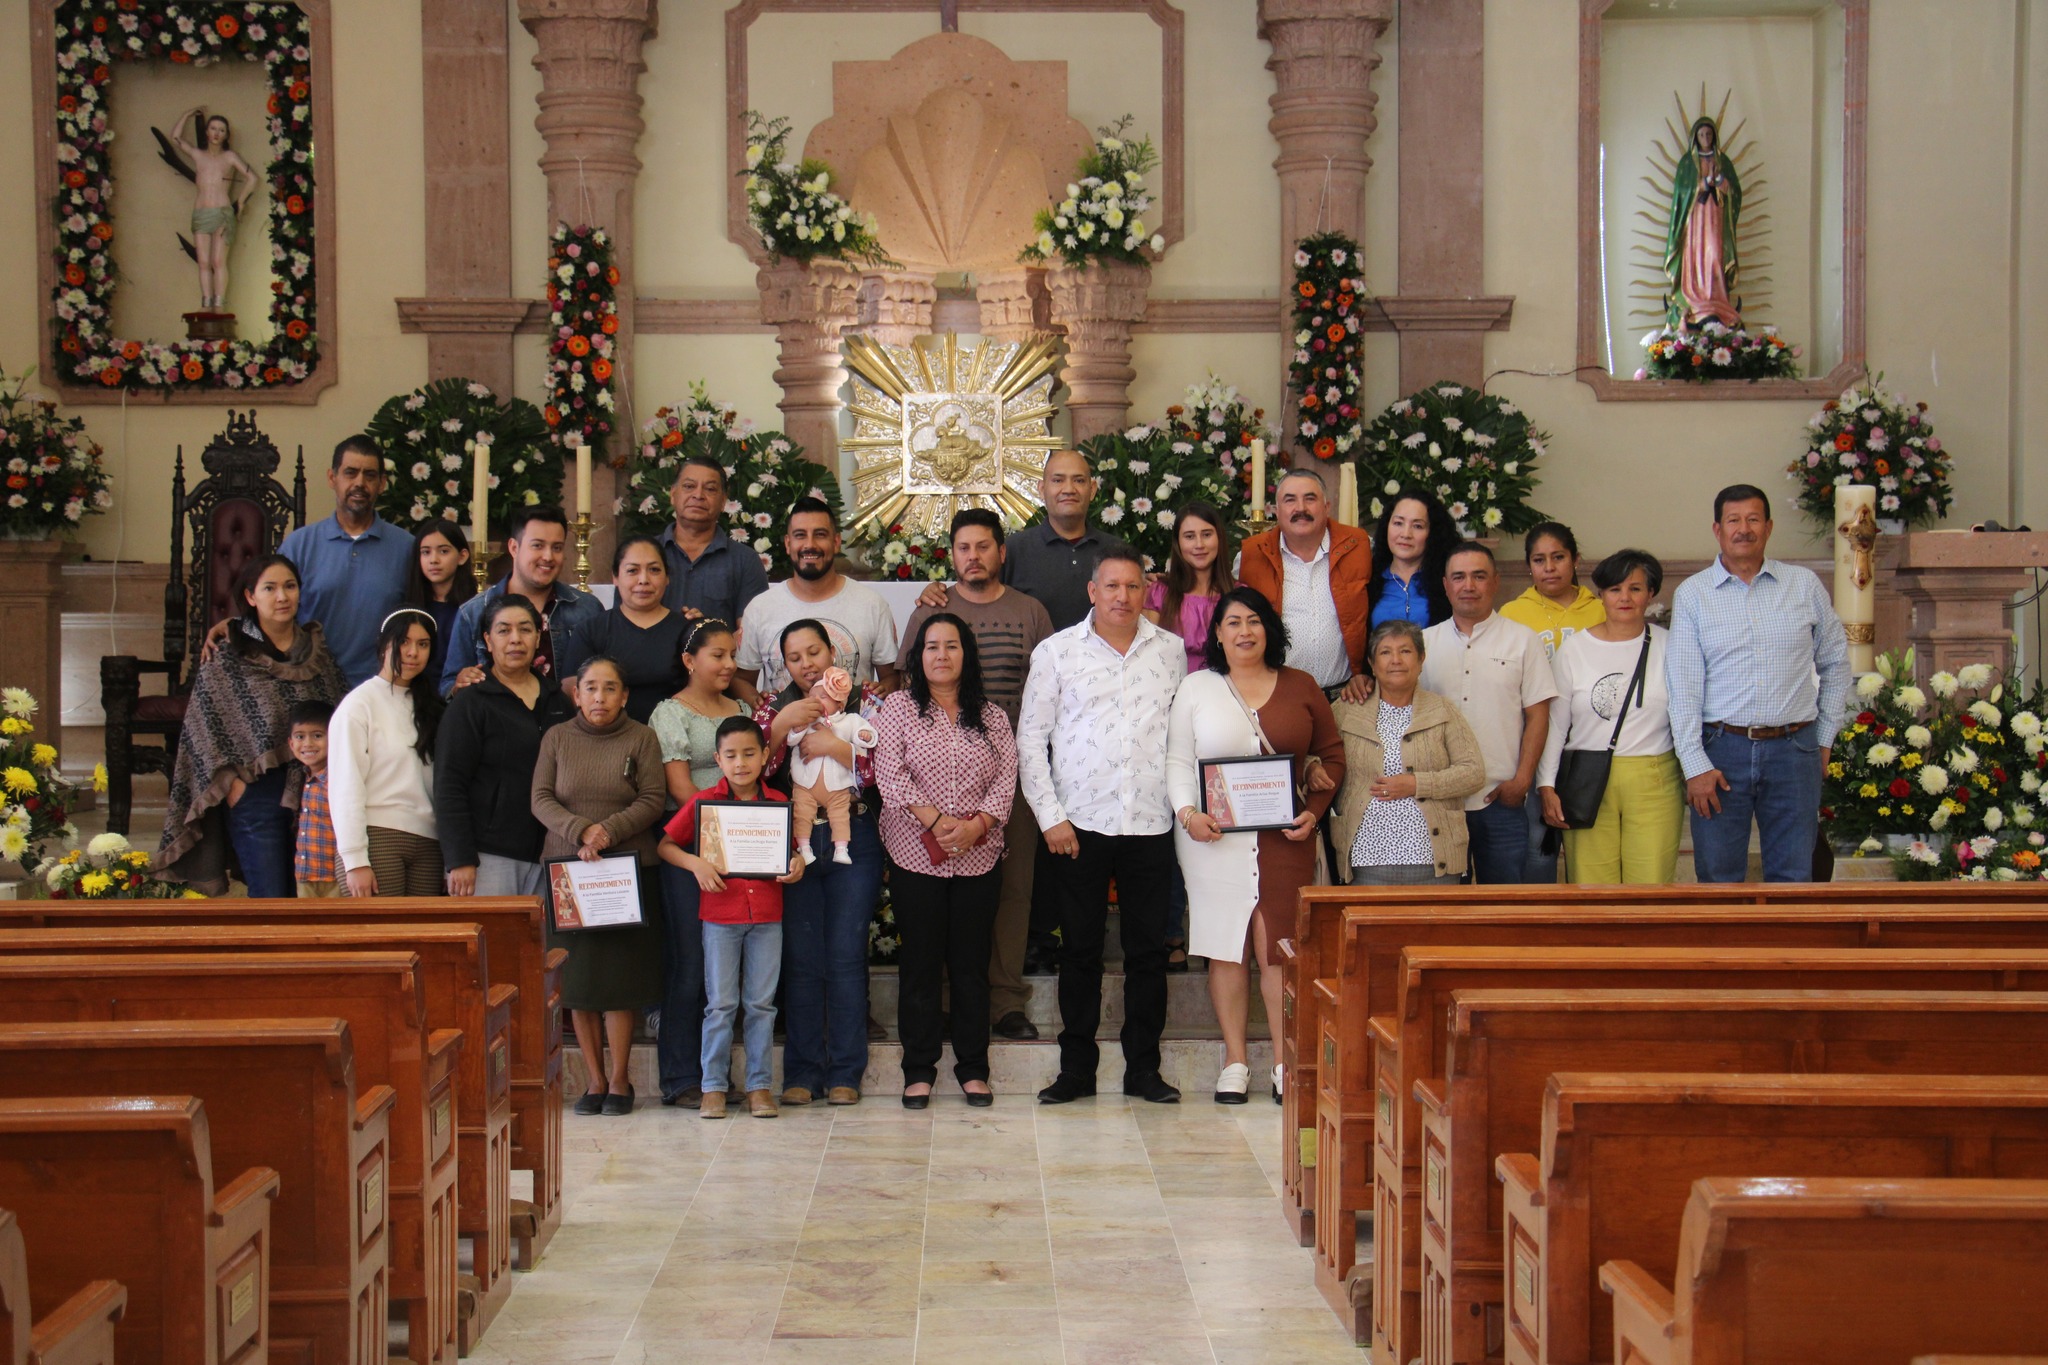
(1242, 887)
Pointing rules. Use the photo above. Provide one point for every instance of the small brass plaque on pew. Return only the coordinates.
(443, 1107)
(373, 1195)
(1330, 1053)
(1385, 1108)
(1287, 1003)
(501, 1057)
(1525, 1278)
(1433, 1172)
(1308, 1149)
(242, 1298)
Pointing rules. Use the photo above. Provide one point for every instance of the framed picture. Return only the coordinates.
(744, 838)
(598, 895)
(1244, 794)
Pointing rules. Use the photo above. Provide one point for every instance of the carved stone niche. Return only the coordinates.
(953, 147)
(1834, 46)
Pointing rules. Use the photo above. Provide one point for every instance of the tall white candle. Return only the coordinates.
(582, 476)
(480, 501)
(1856, 571)
(1347, 495)
(1258, 478)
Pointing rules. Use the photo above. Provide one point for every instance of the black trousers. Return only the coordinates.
(947, 925)
(1143, 866)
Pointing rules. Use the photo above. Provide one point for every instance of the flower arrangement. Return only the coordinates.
(35, 802)
(1717, 352)
(583, 313)
(1326, 373)
(1477, 450)
(793, 208)
(1872, 436)
(430, 439)
(107, 869)
(765, 474)
(52, 472)
(911, 556)
(1145, 473)
(2013, 857)
(1103, 216)
(91, 35)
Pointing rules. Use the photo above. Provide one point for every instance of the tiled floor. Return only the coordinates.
(1104, 1231)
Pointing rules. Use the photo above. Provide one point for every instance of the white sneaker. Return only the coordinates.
(1233, 1083)
(809, 855)
(1276, 1083)
(842, 854)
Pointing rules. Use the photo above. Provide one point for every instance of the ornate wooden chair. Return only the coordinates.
(237, 513)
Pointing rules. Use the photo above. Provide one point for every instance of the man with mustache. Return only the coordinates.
(1758, 672)
(353, 565)
(1316, 572)
(862, 628)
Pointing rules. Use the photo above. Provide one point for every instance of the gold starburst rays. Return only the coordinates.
(938, 427)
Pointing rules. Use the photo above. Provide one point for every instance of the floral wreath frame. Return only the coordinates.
(78, 44)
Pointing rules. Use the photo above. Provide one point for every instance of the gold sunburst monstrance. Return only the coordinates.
(938, 427)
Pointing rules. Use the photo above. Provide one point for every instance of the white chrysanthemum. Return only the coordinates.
(1974, 676)
(1962, 760)
(1943, 684)
(1938, 820)
(1986, 714)
(2026, 724)
(1994, 819)
(1869, 685)
(1882, 755)
(13, 844)
(1912, 698)
(103, 845)
(17, 702)
(1870, 844)
(1933, 780)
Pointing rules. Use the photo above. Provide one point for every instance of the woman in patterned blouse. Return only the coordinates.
(947, 769)
(1412, 760)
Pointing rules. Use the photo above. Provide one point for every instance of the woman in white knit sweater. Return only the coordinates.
(380, 748)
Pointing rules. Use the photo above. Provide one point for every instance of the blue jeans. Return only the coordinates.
(1776, 783)
(1500, 843)
(680, 1042)
(1538, 868)
(741, 965)
(825, 920)
(264, 836)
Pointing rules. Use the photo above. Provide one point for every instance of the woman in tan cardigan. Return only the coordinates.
(599, 788)
(1410, 761)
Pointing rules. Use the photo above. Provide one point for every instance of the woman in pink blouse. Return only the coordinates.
(947, 770)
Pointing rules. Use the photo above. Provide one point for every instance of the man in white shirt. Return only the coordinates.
(855, 616)
(1495, 672)
(1091, 755)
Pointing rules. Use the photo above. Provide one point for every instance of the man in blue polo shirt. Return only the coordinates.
(353, 566)
(709, 573)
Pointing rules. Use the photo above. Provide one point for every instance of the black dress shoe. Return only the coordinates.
(616, 1104)
(918, 1101)
(981, 1099)
(1065, 1089)
(1153, 1088)
(590, 1102)
(1015, 1026)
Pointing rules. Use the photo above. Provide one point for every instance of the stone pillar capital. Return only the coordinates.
(810, 305)
(1096, 307)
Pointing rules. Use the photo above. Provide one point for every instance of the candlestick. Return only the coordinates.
(480, 504)
(1347, 495)
(480, 563)
(583, 524)
(1856, 571)
(582, 475)
(1258, 479)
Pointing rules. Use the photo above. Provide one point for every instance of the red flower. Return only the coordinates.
(295, 204)
(551, 415)
(111, 376)
(1844, 441)
(17, 480)
(1900, 788)
(1306, 289)
(1864, 717)
(103, 230)
(1325, 448)
(299, 90)
(609, 325)
(182, 57)
(271, 104)
(272, 375)
(671, 439)
(611, 275)
(75, 179)
(131, 350)
(74, 274)
(227, 26)
(296, 329)
(99, 24)
(67, 103)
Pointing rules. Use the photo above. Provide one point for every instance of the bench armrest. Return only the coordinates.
(81, 1330)
(1520, 1173)
(501, 995)
(1287, 952)
(1643, 1313)
(249, 1194)
(1429, 1093)
(372, 1103)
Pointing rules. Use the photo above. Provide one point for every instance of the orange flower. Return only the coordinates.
(300, 90)
(601, 369)
(75, 179)
(1335, 331)
(17, 480)
(609, 325)
(1882, 467)
(131, 350)
(74, 274)
(1325, 448)
(182, 57)
(67, 102)
(104, 231)
(272, 375)
(1307, 290)
(271, 104)
(1344, 300)
(671, 439)
(227, 26)
(296, 329)
(295, 204)
(111, 376)
(611, 274)
(69, 345)
(2026, 858)
(194, 369)
(579, 345)
(551, 415)
(1310, 401)
(1844, 441)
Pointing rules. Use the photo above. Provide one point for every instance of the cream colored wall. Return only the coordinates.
(375, 160)
(1939, 279)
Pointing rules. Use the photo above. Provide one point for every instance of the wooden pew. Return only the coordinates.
(382, 999)
(1312, 952)
(123, 1187)
(1409, 1044)
(460, 994)
(1620, 1152)
(1841, 1272)
(278, 1093)
(1980, 1360)
(79, 1331)
(519, 955)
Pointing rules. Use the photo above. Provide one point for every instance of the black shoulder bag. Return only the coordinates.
(1582, 773)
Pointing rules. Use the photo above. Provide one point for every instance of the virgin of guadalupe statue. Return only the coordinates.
(1699, 244)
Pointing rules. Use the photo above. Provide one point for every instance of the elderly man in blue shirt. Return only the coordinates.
(1758, 671)
(353, 566)
(709, 573)
(538, 540)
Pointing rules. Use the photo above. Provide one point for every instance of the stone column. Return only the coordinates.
(895, 305)
(1015, 304)
(1096, 307)
(467, 88)
(810, 307)
(1324, 54)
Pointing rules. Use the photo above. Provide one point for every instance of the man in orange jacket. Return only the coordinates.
(1316, 572)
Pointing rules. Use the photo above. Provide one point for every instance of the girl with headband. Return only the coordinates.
(380, 753)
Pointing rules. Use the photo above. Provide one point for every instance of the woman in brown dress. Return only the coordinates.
(1242, 887)
(599, 789)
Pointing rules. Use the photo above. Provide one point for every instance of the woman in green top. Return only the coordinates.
(686, 725)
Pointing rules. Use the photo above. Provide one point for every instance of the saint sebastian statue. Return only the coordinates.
(1699, 243)
(223, 183)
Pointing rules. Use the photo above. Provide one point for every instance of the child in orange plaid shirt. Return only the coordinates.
(316, 863)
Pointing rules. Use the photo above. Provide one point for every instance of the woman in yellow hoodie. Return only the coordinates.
(1556, 606)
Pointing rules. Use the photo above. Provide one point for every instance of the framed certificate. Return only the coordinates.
(599, 895)
(744, 838)
(1242, 794)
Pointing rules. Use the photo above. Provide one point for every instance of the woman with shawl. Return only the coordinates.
(233, 786)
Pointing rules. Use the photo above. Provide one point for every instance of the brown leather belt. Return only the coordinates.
(1759, 731)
